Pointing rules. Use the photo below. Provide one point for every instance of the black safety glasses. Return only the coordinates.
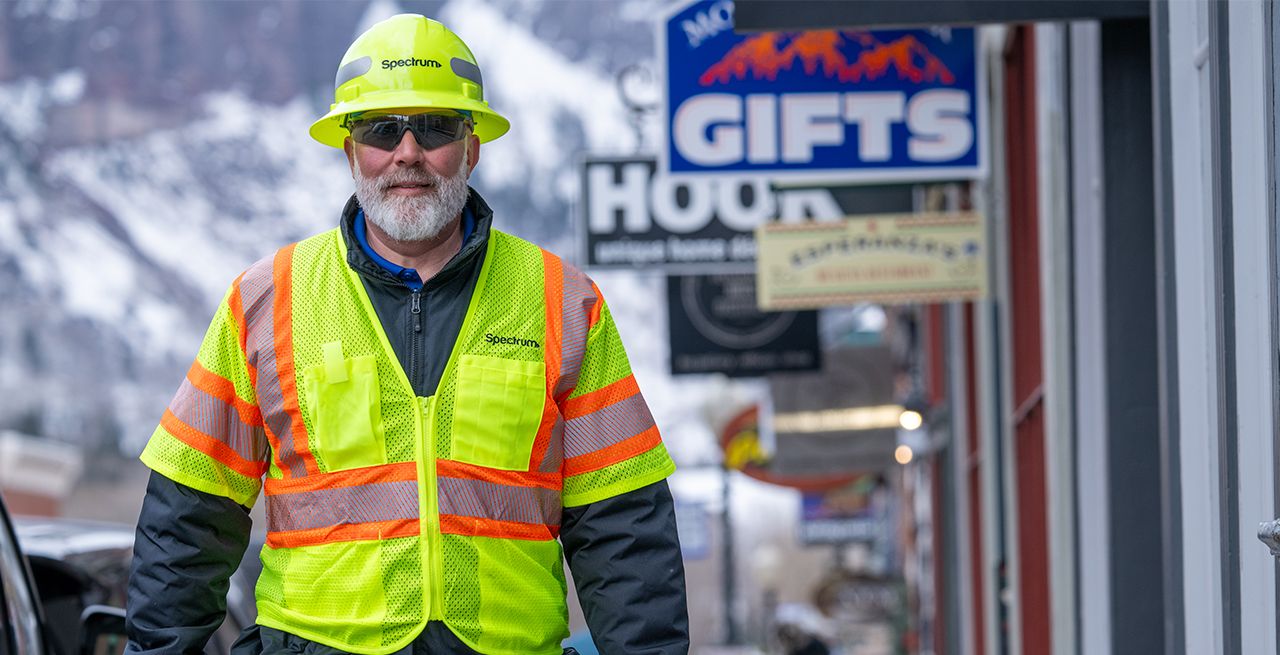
(430, 130)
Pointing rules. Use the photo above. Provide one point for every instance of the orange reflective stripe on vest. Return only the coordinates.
(607, 426)
(567, 293)
(372, 503)
(375, 531)
(212, 447)
(295, 448)
(206, 404)
(330, 508)
(220, 388)
(479, 501)
(476, 507)
(261, 304)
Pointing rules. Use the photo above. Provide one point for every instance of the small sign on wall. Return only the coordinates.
(892, 258)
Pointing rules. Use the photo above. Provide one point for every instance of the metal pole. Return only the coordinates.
(727, 573)
(637, 87)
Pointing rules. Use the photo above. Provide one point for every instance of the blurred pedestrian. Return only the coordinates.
(428, 404)
(795, 641)
(800, 629)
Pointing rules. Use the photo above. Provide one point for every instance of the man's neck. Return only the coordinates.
(426, 257)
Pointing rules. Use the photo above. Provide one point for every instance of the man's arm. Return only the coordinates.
(618, 528)
(625, 558)
(187, 546)
(208, 454)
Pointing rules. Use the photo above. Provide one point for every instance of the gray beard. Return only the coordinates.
(416, 218)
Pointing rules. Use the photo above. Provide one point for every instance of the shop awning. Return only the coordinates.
(795, 15)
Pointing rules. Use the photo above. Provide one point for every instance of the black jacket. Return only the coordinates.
(623, 552)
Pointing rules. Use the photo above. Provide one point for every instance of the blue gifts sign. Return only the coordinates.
(840, 104)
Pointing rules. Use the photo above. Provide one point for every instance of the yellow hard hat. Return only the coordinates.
(407, 61)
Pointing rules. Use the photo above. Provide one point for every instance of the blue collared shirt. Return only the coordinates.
(409, 276)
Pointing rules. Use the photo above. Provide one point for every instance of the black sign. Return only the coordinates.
(631, 216)
(716, 328)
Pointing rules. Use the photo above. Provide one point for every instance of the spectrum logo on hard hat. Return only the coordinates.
(421, 64)
(412, 61)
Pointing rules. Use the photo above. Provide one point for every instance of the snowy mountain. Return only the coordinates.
(151, 151)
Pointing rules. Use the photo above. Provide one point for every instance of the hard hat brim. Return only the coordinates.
(328, 130)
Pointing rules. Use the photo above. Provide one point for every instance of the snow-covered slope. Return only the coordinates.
(118, 240)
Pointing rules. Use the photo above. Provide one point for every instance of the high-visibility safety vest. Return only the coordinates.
(385, 509)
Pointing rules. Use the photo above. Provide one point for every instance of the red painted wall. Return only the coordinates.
(973, 474)
(1028, 376)
(939, 558)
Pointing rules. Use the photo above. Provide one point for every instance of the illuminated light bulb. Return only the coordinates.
(910, 420)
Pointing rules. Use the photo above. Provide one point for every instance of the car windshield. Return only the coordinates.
(19, 602)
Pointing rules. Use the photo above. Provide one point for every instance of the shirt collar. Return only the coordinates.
(408, 276)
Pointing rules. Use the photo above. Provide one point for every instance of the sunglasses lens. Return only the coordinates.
(381, 133)
(435, 130)
(429, 130)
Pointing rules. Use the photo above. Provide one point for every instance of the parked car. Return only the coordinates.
(77, 564)
(24, 626)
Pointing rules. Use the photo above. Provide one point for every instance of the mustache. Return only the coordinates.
(409, 176)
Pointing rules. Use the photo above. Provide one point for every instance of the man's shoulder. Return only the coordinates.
(262, 273)
(507, 240)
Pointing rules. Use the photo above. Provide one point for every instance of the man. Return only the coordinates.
(432, 403)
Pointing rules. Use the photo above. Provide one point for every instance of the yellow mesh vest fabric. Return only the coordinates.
(605, 363)
(168, 455)
(512, 307)
(362, 596)
(502, 595)
(373, 595)
(327, 308)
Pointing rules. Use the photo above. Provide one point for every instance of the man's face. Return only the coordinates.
(410, 192)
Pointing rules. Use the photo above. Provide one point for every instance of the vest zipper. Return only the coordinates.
(415, 308)
(433, 551)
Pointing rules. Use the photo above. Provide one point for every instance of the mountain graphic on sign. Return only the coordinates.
(765, 55)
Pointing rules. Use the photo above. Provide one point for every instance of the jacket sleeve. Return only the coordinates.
(625, 558)
(611, 440)
(208, 456)
(187, 546)
(212, 436)
(618, 528)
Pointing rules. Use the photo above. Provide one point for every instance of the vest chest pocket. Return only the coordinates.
(346, 410)
(497, 410)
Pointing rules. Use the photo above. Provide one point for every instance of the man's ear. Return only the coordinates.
(350, 149)
(473, 153)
